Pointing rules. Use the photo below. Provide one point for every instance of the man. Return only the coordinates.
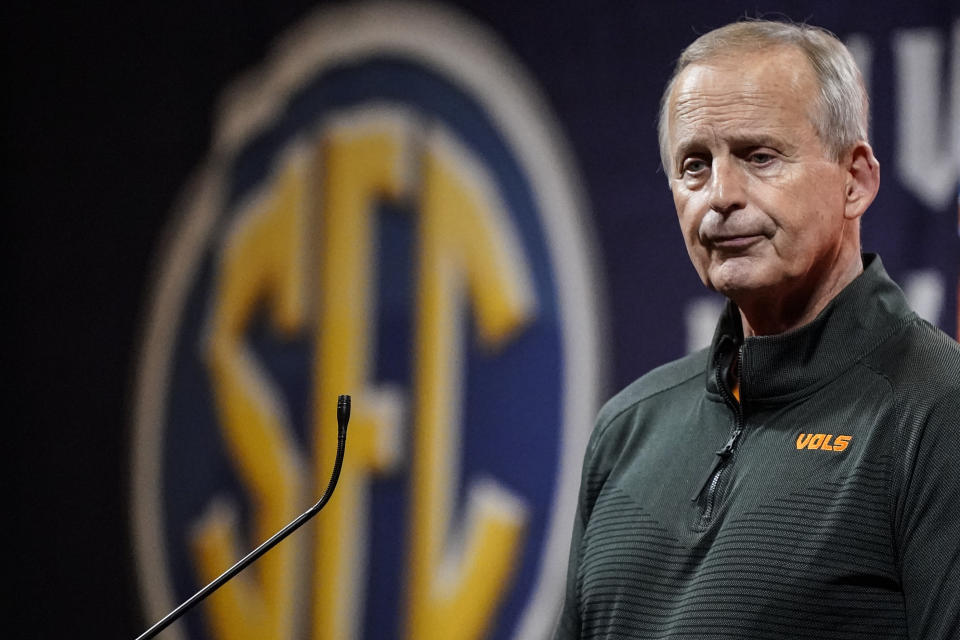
(798, 478)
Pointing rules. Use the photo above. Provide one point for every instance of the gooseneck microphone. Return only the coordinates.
(343, 417)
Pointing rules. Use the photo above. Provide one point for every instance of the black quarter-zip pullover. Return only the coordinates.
(825, 504)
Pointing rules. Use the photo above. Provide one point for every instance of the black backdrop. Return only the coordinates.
(109, 108)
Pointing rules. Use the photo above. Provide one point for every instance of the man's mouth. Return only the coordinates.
(736, 242)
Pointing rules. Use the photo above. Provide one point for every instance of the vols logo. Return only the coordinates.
(822, 441)
(386, 212)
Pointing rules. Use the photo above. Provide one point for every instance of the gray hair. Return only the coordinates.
(842, 110)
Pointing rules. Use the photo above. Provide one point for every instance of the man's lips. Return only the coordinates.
(735, 242)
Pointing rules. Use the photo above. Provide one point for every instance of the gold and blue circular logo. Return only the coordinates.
(388, 211)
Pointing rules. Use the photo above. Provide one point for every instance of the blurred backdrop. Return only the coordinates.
(225, 214)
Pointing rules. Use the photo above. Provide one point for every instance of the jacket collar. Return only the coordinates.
(781, 367)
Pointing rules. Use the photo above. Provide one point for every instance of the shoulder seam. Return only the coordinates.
(602, 429)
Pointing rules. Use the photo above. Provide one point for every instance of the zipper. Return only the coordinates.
(711, 481)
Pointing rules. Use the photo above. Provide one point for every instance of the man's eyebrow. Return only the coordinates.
(691, 144)
(686, 145)
(757, 140)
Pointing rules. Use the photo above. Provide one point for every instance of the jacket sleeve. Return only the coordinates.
(570, 623)
(568, 626)
(596, 461)
(928, 529)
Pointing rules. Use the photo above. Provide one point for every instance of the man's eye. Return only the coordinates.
(761, 158)
(694, 166)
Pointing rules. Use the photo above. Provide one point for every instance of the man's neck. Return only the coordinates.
(770, 315)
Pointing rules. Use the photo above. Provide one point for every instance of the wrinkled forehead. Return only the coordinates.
(751, 89)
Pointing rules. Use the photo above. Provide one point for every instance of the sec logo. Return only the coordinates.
(387, 211)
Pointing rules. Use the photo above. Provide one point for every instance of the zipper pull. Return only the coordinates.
(727, 449)
(725, 452)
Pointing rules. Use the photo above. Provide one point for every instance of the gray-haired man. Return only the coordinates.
(798, 477)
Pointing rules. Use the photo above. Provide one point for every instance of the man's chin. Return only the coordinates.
(740, 291)
(736, 280)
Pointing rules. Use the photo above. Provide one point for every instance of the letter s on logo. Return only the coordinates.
(841, 443)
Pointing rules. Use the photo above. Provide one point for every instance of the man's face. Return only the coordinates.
(760, 203)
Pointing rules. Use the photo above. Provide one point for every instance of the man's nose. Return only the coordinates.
(727, 193)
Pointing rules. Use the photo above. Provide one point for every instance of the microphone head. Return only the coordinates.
(343, 411)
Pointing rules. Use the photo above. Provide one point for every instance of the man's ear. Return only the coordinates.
(863, 179)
